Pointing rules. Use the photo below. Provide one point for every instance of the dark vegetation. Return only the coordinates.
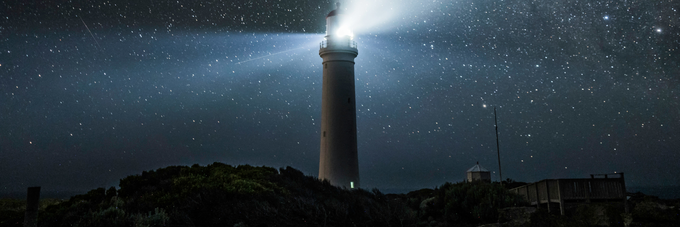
(460, 203)
(12, 210)
(652, 211)
(510, 184)
(223, 195)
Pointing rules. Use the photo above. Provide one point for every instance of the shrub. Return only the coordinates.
(476, 202)
(222, 195)
(157, 218)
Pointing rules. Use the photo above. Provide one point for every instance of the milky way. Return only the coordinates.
(580, 87)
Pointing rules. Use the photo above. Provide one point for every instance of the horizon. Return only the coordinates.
(661, 191)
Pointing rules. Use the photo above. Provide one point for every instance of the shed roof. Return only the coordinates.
(478, 168)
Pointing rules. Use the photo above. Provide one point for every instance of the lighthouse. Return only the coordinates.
(339, 162)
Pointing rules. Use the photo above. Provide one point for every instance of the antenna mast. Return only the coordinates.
(498, 148)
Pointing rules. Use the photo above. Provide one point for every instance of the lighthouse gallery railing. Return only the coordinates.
(346, 43)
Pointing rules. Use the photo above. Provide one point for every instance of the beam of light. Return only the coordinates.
(292, 44)
(240, 59)
(377, 16)
(88, 30)
(270, 54)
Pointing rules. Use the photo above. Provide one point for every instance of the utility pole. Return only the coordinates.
(498, 148)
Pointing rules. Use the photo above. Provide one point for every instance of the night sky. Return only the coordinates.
(94, 91)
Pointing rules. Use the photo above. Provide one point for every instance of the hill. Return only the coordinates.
(223, 195)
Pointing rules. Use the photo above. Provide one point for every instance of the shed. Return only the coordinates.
(478, 173)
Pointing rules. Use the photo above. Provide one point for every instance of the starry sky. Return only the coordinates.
(94, 91)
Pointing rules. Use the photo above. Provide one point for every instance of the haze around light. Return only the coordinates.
(379, 16)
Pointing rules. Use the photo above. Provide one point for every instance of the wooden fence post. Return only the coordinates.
(559, 197)
(538, 199)
(32, 205)
(547, 193)
(625, 193)
(587, 190)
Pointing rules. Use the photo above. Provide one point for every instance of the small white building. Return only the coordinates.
(478, 173)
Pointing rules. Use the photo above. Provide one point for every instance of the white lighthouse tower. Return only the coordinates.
(339, 163)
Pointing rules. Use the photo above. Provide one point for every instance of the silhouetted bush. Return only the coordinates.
(651, 209)
(223, 195)
(11, 218)
(156, 218)
(461, 203)
(477, 201)
(510, 183)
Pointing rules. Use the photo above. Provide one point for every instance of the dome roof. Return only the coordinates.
(334, 12)
(478, 168)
